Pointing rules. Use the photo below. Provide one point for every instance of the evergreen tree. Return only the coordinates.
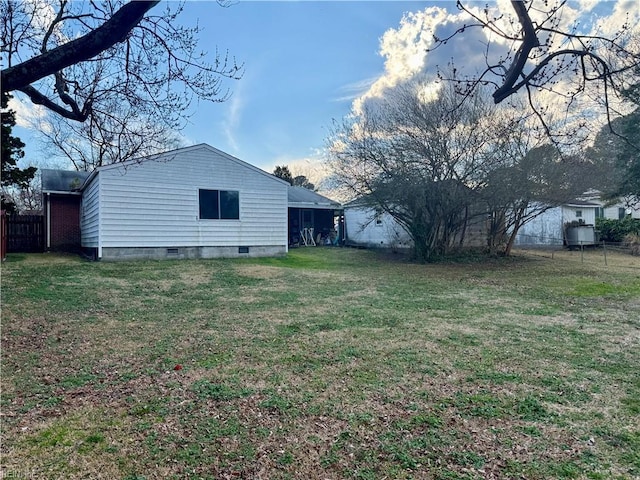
(12, 151)
(284, 173)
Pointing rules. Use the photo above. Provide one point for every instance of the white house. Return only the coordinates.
(194, 202)
(548, 227)
(367, 227)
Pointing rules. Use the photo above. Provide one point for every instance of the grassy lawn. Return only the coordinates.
(327, 364)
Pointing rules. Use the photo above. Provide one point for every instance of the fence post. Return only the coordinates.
(581, 252)
(604, 248)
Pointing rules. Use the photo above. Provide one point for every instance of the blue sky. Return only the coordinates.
(305, 62)
(309, 62)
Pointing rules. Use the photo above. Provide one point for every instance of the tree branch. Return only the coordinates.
(113, 31)
(529, 42)
(39, 99)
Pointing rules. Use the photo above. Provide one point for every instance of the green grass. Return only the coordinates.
(327, 363)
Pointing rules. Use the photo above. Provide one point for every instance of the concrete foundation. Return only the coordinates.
(175, 253)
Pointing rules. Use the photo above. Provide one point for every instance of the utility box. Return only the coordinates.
(580, 235)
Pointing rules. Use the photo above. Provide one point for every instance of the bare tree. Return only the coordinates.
(621, 157)
(544, 55)
(79, 59)
(441, 167)
(27, 198)
(118, 135)
(526, 184)
(419, 160)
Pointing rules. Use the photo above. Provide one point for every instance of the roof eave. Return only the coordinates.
(63, 192)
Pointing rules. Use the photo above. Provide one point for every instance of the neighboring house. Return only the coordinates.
(312, 217)
(548, 228)
(369, 227)
(61, 197)
(194, 202)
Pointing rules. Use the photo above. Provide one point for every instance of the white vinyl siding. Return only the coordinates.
(89, 215)
(545, 229)
(586, 214)
(155, 203)
(363, 229)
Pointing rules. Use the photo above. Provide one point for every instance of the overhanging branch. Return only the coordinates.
(39, 99)
(529, 42)
(113, 31)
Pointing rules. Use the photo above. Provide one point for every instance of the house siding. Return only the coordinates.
(89, 214)
(545, 229)
(154, 204)
(362, 230)
(587, 214)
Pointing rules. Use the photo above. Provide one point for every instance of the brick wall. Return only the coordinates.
(64, 222)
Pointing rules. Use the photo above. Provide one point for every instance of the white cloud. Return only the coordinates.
(406, 54)
(404, 47)
(234, 117)
(28, 115)
(354, 90)
(313, 166)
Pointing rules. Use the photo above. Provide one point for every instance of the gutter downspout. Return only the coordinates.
(48, 221)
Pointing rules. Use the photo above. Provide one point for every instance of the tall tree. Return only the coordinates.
(283, 172)
(528, 183)
(418, 159)
(121, 134)
(618, 147)
(12, 151)
(303, 181)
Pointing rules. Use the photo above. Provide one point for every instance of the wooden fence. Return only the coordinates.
(25, 233)
(3, 235)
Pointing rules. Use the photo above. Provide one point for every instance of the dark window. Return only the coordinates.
(621, 213)
(229, 204)
(599, 212)
(219, 204)
(578, 213)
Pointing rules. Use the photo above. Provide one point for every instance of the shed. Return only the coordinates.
(194, 202)
(61, 197)
(312, 217)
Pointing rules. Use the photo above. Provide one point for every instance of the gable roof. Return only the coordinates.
(167, 156)
(62, 181)
(300, 197)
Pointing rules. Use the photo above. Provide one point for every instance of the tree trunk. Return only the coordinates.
(512, 238)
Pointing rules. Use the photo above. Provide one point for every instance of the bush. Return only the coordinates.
(632, 240)
(616, 230)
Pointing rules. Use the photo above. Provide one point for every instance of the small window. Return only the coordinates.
(219, 204)
(599, 212)
(243, 249)
(378, 217)
(578, 213)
